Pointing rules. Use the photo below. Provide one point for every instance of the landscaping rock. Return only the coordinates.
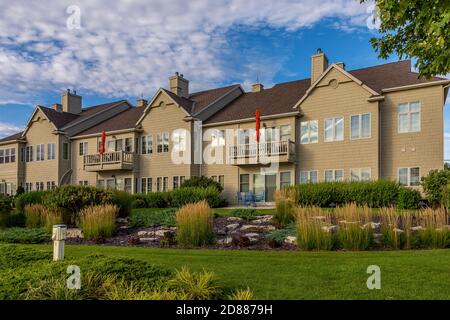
(144, 233)
(148, 239)
(373, 225)
(377, 238)
(263, 219)
(234, 219)
(122, 220)
(398, 230)
(253, 237)
(162, 232)
(290, 240)
(329, 228)
(227, 240)
(232, 226)
(417, 228)
(74, 233)
(257, 228)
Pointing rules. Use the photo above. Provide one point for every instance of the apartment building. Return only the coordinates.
(380, 122)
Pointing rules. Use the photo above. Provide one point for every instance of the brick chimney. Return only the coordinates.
(57, 107)
(179, 85)
(319, 63)
(71, 102)
(257, 87)
(141, 103)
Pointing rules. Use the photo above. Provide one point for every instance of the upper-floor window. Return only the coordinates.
(360, 126)
(8, 155)
(83, 148)
(65, 151)
(334, 175)
(128, 144)
(111, 146)
(285, 132)
(147, 144)
(218, 138)
(409, 176)
(308, 176)
(334, 129)
(163, 142)
(244, 136)
(51, 151)
(179, 140)
(309, 132)
(360, 174)
(29, 154)
(409, 117)
(22, 154)
(40, 152)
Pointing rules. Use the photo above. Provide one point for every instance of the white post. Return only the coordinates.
(59, 236)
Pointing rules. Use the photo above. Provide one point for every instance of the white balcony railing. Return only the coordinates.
(263, 149)
(103, 161)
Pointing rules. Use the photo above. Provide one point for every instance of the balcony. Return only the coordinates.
(262, 153)
(120, 160)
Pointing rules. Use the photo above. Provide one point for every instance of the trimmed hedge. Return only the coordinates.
(374, 194)
(202, 182)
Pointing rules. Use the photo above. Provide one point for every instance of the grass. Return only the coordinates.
(303, 275)
(24, 235)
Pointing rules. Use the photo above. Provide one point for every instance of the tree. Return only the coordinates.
(415, 28)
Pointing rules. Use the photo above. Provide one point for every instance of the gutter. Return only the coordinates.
(98, 134)
(420, 85)
(288, 114)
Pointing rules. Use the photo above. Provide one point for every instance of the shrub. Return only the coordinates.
(246, 214)
(202, 182)
(5, 203)
(434, 184)
(195, 224)
(24, 235)
(139, 201)
(354, 231)
(242, 294)
(279, 235)
(183, 196)
(374, 194)
(286, 203)
(28, 198)
(152, 217)
(123, 201)
(98, 222)
(158, 199)
(311, 229)
(408, 199)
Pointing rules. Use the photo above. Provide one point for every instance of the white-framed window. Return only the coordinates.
(163, 142)
(147, 144)
(360, 174)
(334, 129)
(101, 184)
(222, 180)
(360, 126)
(409, 117)
(175, 182)
(308, 176)
(146, 185)
(159, 184)
(22, 154)
(83, 148)
(309, 132)
(285, 179)
(40, 152)
(409, 176)
(39, 186)
(29, 154)
(244, 136)
(285, 132)
(334, 175)
(179, 140)
(128, 144)
(83, 183)
(165, 184)
(217, 138)
(51, 151)
(2, 156)
(244, 183)
(8, 155)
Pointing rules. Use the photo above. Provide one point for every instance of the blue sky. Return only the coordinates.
(131, 48)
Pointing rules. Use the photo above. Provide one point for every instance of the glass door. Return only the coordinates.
(259, 187)
(270, 186)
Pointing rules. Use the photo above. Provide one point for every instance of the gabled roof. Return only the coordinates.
(59, 119)
(204, 98)
(186, 104)
(13, 137)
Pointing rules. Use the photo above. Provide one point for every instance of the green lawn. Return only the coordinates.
(305, 275)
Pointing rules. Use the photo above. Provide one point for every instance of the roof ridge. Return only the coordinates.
(218, 88)
(381, 65)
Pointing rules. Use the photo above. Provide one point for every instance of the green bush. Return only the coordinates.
(24, 235)
(123, 201)
(28, 198)
(246, 214)
(408, 199)
(5, 203)
(202, 182)
(158, 199)
(280, 235)
(434, 185)
(152, 218)
(374, 194)
(183, 196)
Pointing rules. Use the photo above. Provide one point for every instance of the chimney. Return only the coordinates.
(340, 65)
(179, 85)
(319, 63)
(141, 103)
(257, 87)
(71, 102)
(57, 107)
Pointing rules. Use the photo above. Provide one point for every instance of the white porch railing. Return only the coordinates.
(109, 158)
(263, 149)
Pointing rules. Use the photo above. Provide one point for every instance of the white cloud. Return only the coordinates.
(125, 48)
(7, 129)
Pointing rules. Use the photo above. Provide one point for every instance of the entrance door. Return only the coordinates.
(271, 186)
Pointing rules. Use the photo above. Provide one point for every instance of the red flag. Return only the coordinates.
(103, 142)
(258, 123)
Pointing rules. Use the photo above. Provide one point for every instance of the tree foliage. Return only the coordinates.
(416, 28)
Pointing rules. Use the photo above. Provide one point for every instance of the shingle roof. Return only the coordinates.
(13, 137)
(59, 119)
(282, 97)
(204, 98)
(186, 104)
(125, 120)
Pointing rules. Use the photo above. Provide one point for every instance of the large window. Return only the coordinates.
(29, 154)
(179, 140)
(244, 136)
(285, 179)
(409, 176)
(409, 117)
(165, 183)
(244, 183)
(218, 138)
(119, 145)
(8, 155)
(309, 132)
(51, 151)
(147, 144)
(308, 176)
(128, 144)
(83, 148)
(285, 132)
(360, 126)
(334, 129)
(360, 174)
(40, 152)
(334, 175)
(163, 142)
(159, 184)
